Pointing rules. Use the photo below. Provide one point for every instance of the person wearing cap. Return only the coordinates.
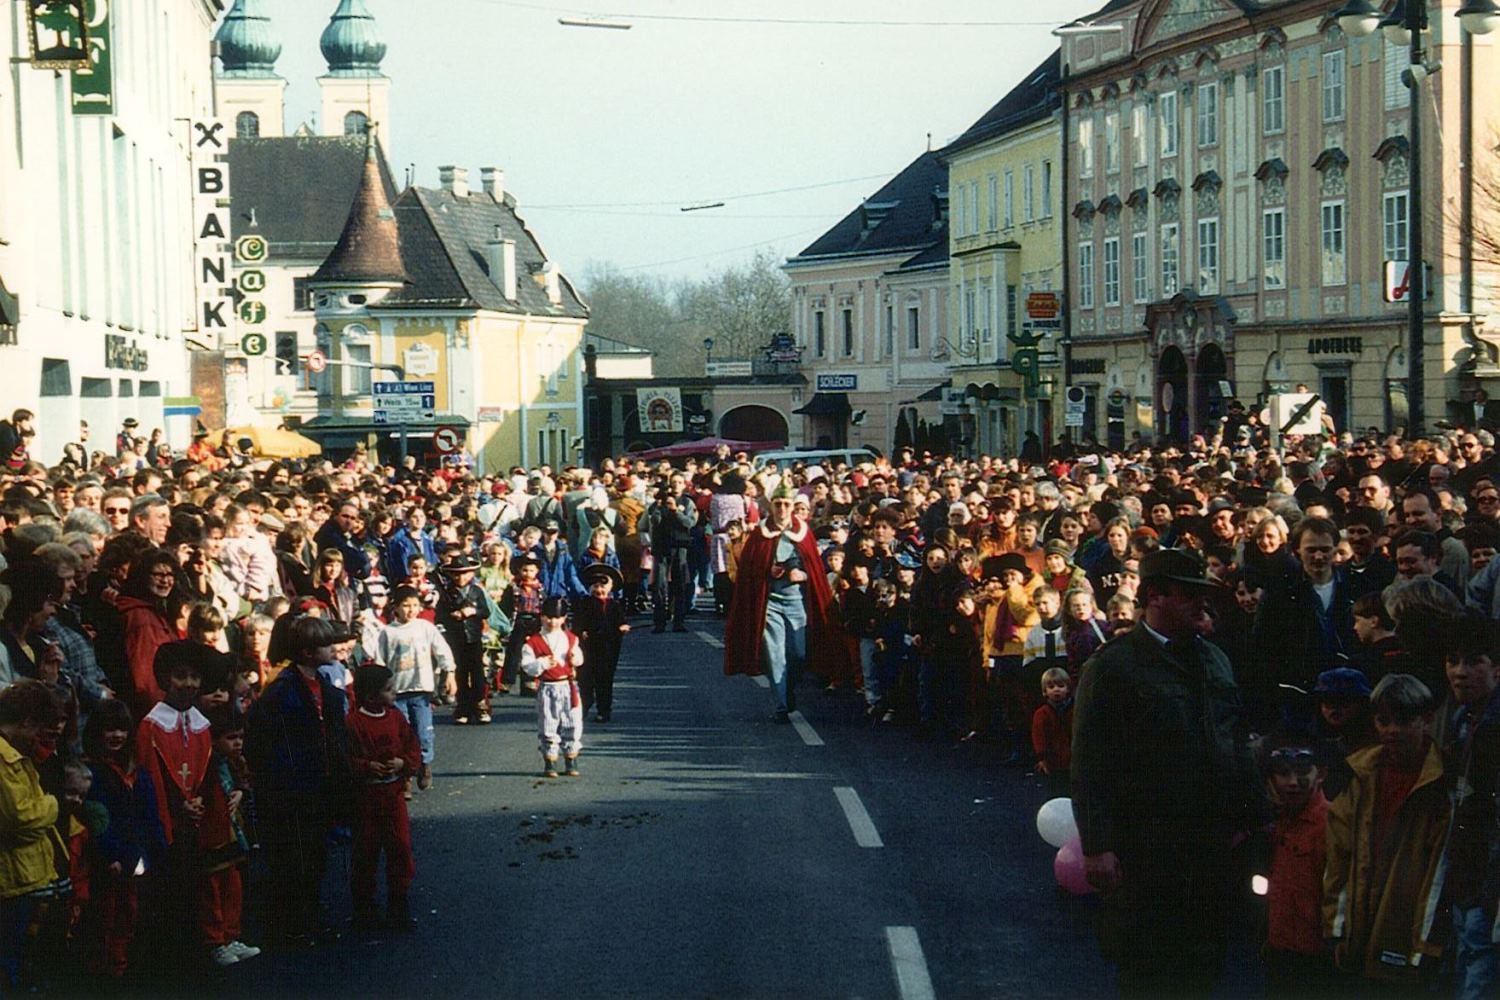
(559, 573)
(464, 612)
(779, 614)
(599, 620)
(125, 440)
(552, 657)
(1160, 784)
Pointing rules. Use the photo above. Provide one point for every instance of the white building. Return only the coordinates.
(97, 298)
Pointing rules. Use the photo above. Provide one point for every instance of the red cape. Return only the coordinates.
(746, 626)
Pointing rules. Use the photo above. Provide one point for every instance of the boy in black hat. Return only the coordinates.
(600, 622)
(462, 611)
(553, 656)
(522, 604)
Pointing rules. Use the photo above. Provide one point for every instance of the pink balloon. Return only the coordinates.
(1067, 868)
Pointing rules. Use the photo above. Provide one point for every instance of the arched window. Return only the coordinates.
(356, 123)
(246, 125)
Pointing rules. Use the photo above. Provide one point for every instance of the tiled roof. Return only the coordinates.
(369, 248)
(902, 215)
(444, 242)
(297, 190)
(1031, 100)
(933, 256)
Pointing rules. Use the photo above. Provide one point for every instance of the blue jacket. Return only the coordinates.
(330, 536)
(559, 575)
(294, 754)
(402, 547)
(134, 833)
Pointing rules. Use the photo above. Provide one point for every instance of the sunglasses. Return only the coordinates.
(117, 510)
(1293, 759)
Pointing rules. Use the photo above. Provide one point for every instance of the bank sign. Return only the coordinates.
(211, 255)
(841, 382)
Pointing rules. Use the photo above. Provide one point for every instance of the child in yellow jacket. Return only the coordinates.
(1006, 603)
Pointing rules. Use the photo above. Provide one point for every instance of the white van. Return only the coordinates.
(831, 457)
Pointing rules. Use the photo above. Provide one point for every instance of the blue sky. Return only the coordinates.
(604, 135)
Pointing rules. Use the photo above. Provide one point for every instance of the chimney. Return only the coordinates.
(552, 281)
(507, 274)
(455, 180)
(493, 179)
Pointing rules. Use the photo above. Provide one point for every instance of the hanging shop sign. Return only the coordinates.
(660, 409)
(214, 284)
(93, 86)
(59, 33)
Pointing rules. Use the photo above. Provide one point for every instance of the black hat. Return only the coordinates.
(551, 524)
(1176, 566)
(213, 667)
(554, 607)
(1012, 560)
(524, 559)
(461, 564)
(598, 571)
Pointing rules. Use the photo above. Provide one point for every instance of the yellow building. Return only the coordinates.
(448, 286)
(1004, 244)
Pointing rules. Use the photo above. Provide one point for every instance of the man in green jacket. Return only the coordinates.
(1160, 785)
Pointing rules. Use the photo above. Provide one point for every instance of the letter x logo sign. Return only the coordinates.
(208, 135)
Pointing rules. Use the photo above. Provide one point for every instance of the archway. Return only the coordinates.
(754, 423)
(1172, 395)
(1213, 371)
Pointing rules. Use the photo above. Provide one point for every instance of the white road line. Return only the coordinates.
(805, 730)
(865, 834)
(912, 979)
(761, 680)
(712, 640)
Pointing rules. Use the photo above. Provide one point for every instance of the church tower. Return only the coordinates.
(251, 95)
(355, 93)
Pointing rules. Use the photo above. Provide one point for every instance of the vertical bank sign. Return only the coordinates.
(211, 233)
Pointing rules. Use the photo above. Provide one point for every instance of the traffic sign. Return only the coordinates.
(447, 440)
(1073, 418)
(251, 249)
(317, 361)
(253, 344)
(405, 402)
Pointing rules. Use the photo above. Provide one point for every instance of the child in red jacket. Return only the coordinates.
(1294, 952)
(1052, 732)
(383, 753)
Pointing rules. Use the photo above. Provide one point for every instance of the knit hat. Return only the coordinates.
(1058, 547)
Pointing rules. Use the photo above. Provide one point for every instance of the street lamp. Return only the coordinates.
(1479, 17)
(708, 351)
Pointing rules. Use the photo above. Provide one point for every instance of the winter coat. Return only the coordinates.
(1383, 912)
(146, 631)
(28, 826)
(296, 756)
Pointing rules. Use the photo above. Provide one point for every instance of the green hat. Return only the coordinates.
(784, 491)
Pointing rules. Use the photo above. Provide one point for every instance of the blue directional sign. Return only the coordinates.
(407, 402)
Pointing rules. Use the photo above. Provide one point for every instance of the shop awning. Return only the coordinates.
(826, 404)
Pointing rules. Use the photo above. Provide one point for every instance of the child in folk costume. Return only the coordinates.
(223, 840)
(600, 621)
(552, 658)
(383, 754)
(522, 604)
(173, 746)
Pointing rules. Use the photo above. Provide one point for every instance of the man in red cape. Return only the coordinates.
(779, 614)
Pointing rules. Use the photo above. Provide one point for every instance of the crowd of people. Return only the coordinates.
(209, 658)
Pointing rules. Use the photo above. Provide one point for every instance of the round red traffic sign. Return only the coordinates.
(447, 440)
(317, 361)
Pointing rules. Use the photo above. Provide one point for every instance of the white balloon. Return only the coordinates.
(1054, 821)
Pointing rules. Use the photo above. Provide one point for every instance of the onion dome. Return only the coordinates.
(248, 45)
(351, 43)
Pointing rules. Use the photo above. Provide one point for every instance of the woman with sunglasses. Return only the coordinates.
(145, 602)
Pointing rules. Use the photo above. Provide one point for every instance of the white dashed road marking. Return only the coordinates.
(712, 640)
(805, 730)
(865, 834)
(910, 965)
(761, 680)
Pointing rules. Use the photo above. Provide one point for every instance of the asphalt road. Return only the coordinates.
(707, 852)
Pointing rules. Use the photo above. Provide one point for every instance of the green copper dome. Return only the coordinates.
(351, 43)
(248, 45)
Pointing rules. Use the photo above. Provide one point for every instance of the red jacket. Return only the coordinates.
(745, 628)
(1294, 900)
(1052, 736)
(146, 631)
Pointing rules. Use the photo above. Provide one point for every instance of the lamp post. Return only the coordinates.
(1404, 26)
(708, 353)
